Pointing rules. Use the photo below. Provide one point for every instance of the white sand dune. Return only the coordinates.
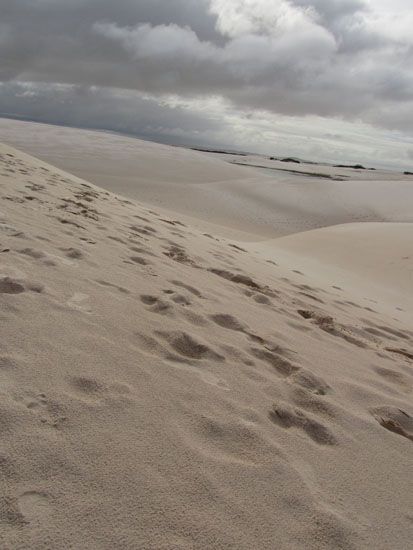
(366, 259)
(164, 389)
(242, 202)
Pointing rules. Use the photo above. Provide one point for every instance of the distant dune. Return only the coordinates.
(246, 202)
(165, 386)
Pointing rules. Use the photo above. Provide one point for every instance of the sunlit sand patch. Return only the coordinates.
(78, 301)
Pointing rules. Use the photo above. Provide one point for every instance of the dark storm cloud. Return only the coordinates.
(300, 57)
(117, 110)
(55, 38)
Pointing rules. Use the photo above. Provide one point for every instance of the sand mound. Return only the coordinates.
(371, 261)
(166, 389)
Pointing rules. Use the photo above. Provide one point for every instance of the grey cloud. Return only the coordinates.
(193, 124)
(298, 58)
(125, 112)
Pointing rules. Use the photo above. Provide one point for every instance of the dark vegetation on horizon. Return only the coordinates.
(340, 177)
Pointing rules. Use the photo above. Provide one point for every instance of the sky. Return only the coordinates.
(324, 80)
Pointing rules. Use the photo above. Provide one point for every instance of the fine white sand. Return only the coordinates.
(167, 389)
(242, 202)
(366, 259)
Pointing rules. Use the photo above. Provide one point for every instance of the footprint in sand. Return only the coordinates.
(287, 417)
(183, 359)
(310, 382)
(189, 288)
(139, 260)
(395, 420)
(261, 299)
(14, 281)
(394, 377)
(47, 258)
(34, 505)
(228, 441)
(178, 254)
(312, 402)
(186, 346)
(181, 300)
(143, 230)
(87, 386)
(97, 392)
(73, 253)
(48, 411)
(10, 230)
(227, 321)
(156, 305)
(9, 285)
(401, 351)
(194, 318)
(329, 325)
(281, 365)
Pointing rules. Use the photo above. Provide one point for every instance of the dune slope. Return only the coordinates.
(166, 389)
(242, 202)
(372, 261)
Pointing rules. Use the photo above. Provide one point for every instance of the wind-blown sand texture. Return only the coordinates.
(167, 389)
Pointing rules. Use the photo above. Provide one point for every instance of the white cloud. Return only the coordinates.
(269, 17)
(161, 42)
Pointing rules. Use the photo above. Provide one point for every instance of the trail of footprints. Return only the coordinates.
(370, 334)
(48, 412)
(54, 414)
(308, 392)
(180, 346)
(309, 395)
(310, 402)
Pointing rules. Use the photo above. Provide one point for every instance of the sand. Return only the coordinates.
(243, 202)
(371, 260)
(167, 389)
